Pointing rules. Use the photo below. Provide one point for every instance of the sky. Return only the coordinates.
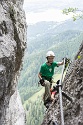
(48, 10)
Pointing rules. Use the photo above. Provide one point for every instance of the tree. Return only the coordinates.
(77, 14)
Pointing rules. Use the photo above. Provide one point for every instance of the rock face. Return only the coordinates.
(12, 45)
(72, 85)
(16, 110)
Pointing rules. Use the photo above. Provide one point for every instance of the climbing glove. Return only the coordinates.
(67, 61)
(42, 82)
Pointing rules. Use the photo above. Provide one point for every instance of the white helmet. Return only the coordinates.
(50, 53)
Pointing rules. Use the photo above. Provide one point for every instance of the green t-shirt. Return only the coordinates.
(48, 71)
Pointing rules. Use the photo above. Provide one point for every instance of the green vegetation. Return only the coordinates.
(77, 14)
(35, 112)
(64, 43)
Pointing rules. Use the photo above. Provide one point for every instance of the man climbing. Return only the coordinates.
(46, 73)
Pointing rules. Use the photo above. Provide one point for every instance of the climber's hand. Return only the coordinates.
(66, 60)
(42, 82)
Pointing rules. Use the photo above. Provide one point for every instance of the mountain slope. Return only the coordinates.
(29, 74)
(63, 43)
(52, 28)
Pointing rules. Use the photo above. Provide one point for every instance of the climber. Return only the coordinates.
(46, 73)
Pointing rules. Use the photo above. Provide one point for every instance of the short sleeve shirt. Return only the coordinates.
(48, 71)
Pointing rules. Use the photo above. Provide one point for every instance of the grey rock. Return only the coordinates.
(12, 46)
